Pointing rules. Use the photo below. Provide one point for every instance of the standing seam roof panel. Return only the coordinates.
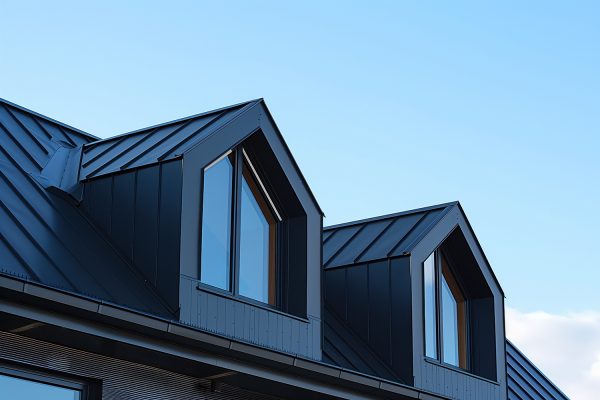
(155, 144)
(358, 242)
(45, 237)
(380, 237)
(336, 240)
(525, 381)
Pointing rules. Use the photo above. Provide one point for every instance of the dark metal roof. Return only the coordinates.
(44, 237)
(42, 118)
(32, 140)
(155, 144)
(525, 381)
(380, 237)
(345, 349)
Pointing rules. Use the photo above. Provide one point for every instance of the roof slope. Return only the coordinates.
(345, 349)
(525, 381)
(155, 144)
(31, 139)
(381, 237)
(44, 237)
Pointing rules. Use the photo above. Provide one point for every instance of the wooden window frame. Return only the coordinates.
(244, 168)
(443, 269)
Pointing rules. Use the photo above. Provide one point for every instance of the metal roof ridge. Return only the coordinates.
(46, 118)
(175, 121)
(389, 216)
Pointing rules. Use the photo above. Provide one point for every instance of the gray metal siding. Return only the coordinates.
(239, 320)
(140, 211)
(457, 385)
(120, 379)
(525, 381)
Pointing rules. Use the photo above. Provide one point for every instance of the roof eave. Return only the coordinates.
(124, 318)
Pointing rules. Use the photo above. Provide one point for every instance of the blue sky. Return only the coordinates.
(386, 106)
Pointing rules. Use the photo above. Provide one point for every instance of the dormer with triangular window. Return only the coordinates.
(213, 211)
(412, 297)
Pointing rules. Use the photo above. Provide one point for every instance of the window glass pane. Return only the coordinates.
(453, 319)
(449, 324)
(23, 389)
(216, 224)
(430, 307)
(257, 236)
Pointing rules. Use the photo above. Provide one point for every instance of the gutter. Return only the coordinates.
(139, 329)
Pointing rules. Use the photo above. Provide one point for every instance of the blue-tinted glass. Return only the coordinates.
(23, 389)
(216, 224)
(254, 247)
(430, 307)
(449, 324)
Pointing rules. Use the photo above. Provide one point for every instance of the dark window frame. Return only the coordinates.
(439, 255)
(241, 159)
(89, 390)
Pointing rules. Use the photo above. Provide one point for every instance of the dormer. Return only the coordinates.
(213, 211)
(412, 297)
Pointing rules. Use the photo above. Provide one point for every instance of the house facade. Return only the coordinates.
(189, 260)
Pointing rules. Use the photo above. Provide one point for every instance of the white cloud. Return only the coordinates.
(565, 347)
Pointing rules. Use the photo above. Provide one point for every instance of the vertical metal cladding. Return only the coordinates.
(120, 379)
(140, 212)
(43, 235)
(373, 302)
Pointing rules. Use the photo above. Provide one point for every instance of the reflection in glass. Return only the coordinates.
(454, 326)
(257, 243)
(23, 389)
(216, 224)
(430, 307)
(449, 325)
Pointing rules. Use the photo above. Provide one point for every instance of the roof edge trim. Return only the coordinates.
(293, 159)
